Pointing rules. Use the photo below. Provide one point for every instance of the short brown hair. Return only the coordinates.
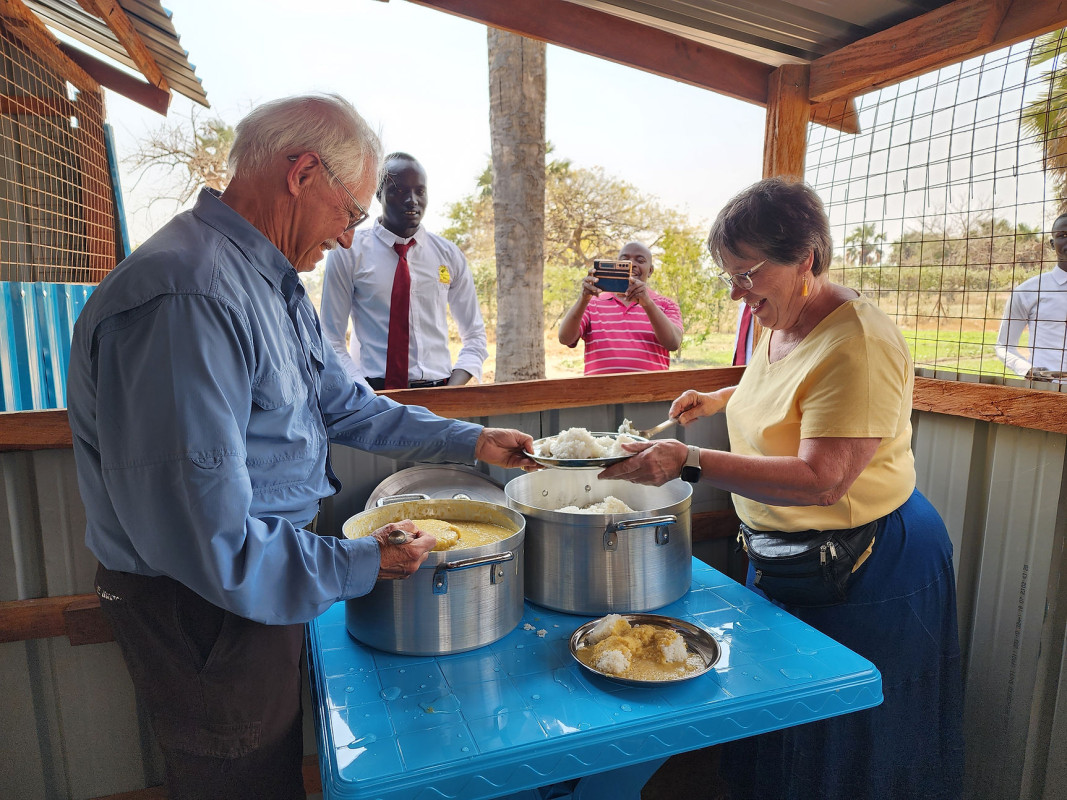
(781, 217)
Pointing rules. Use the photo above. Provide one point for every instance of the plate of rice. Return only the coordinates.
(576, 448)
(644, 649)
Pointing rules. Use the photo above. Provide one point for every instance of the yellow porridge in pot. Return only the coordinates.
(461, 534)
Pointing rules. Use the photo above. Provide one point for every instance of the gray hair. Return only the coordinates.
(324, 123)
(782, 218)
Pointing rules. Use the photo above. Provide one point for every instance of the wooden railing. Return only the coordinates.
(1003, 405)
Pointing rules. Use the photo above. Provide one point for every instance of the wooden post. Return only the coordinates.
(788, 111)
(785, 138)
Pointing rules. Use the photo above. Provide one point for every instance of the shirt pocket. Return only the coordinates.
(430, 288)
(277, 389)
(282, 440)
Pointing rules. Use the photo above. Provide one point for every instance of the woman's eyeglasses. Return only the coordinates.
(742, 280)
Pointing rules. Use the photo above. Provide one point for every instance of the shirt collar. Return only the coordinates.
(389, 238)
(261, 253)
(1060, 276)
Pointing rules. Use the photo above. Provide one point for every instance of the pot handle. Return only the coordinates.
(399, 498)
(440, 573)
(611, 539)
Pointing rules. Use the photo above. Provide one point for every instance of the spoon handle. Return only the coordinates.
(661, 427)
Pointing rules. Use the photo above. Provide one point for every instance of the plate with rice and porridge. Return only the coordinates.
(577, 448)
(644, 649)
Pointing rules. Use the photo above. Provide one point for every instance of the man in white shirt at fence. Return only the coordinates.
(1039, 305)
(396, 283)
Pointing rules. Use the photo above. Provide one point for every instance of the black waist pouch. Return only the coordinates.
(807, 568)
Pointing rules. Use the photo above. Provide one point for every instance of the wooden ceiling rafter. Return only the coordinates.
(960, 30)
(953, 33)
(120, 82)
(621, 41)
(120, 24)
(596, 33)
(32, 33)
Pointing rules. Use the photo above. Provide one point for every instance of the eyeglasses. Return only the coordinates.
(356, 220)
(742, 280)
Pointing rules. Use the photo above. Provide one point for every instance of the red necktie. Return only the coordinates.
(396, 354)
(743, 331)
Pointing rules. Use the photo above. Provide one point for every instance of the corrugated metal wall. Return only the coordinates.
(71, 728)
(36, 325)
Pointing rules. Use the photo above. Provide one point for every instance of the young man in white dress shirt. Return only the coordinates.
(359, 285)
(1039, 305)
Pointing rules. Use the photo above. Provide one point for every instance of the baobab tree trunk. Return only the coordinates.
(517, 130)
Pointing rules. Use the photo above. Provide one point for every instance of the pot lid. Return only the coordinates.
(440, 482)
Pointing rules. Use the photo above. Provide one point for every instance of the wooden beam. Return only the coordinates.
(785, 136)
(1003, 405)
(619, 40)
(35, 37)
(121, 25)
(963, 29)
(840, 115)
(35, 430)
(120, 82)
(54, 106)
(1007, 405)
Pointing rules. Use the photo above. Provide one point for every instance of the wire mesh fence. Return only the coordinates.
(56, 201)
(943, 202)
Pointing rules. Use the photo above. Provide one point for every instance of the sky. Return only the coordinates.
(420, 76)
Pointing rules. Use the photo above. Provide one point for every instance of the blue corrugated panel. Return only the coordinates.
(36, 324)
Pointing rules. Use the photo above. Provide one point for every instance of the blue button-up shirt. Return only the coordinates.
(202, 403)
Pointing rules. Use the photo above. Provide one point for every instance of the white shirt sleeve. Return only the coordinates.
(1015, 321)
(335, 309)
(463, 304)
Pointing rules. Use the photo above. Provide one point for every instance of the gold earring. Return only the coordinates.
(804, 289)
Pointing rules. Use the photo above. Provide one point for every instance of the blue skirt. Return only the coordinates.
(901, 616)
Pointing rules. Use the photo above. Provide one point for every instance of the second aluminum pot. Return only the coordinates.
(603, 563)
(457, 600)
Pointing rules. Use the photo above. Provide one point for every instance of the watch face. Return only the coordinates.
(690, 474)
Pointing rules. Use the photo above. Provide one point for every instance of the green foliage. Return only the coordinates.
(684, 272)
(588, 215)
(1044, 119)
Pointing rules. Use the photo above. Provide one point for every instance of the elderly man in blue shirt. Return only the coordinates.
(203, 400)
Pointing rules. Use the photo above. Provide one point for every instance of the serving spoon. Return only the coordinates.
(658, 428)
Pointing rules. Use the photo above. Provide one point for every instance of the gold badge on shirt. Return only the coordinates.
(442, 274)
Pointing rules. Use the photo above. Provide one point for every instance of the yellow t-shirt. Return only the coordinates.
(852, 376)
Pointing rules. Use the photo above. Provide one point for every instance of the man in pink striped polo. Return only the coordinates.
(631, 332)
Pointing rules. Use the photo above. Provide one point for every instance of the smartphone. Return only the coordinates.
(612, 276)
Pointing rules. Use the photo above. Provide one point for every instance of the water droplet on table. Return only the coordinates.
(390, 693)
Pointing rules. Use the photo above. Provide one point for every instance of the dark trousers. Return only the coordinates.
(222, 692)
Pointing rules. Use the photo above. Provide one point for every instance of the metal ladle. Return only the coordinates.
(400, 537)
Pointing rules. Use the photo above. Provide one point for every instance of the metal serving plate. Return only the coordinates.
(580, 463)
(697, 640)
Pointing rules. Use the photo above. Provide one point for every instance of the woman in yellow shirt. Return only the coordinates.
(820, 440)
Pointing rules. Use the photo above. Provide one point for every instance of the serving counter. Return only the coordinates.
(521, 713)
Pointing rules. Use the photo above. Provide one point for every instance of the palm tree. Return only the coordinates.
(1044, 119)
(864, 245)
(517, 89)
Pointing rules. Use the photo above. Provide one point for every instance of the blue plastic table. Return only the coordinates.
(520, 713)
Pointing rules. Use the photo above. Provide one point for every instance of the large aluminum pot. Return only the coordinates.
(603, 563)
(457, 600)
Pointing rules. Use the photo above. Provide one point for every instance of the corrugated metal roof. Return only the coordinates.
(152, 23)
(773, 32)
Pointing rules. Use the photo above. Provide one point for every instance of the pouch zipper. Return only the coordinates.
(828, 547)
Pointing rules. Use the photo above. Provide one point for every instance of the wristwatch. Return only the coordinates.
(691, 469)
